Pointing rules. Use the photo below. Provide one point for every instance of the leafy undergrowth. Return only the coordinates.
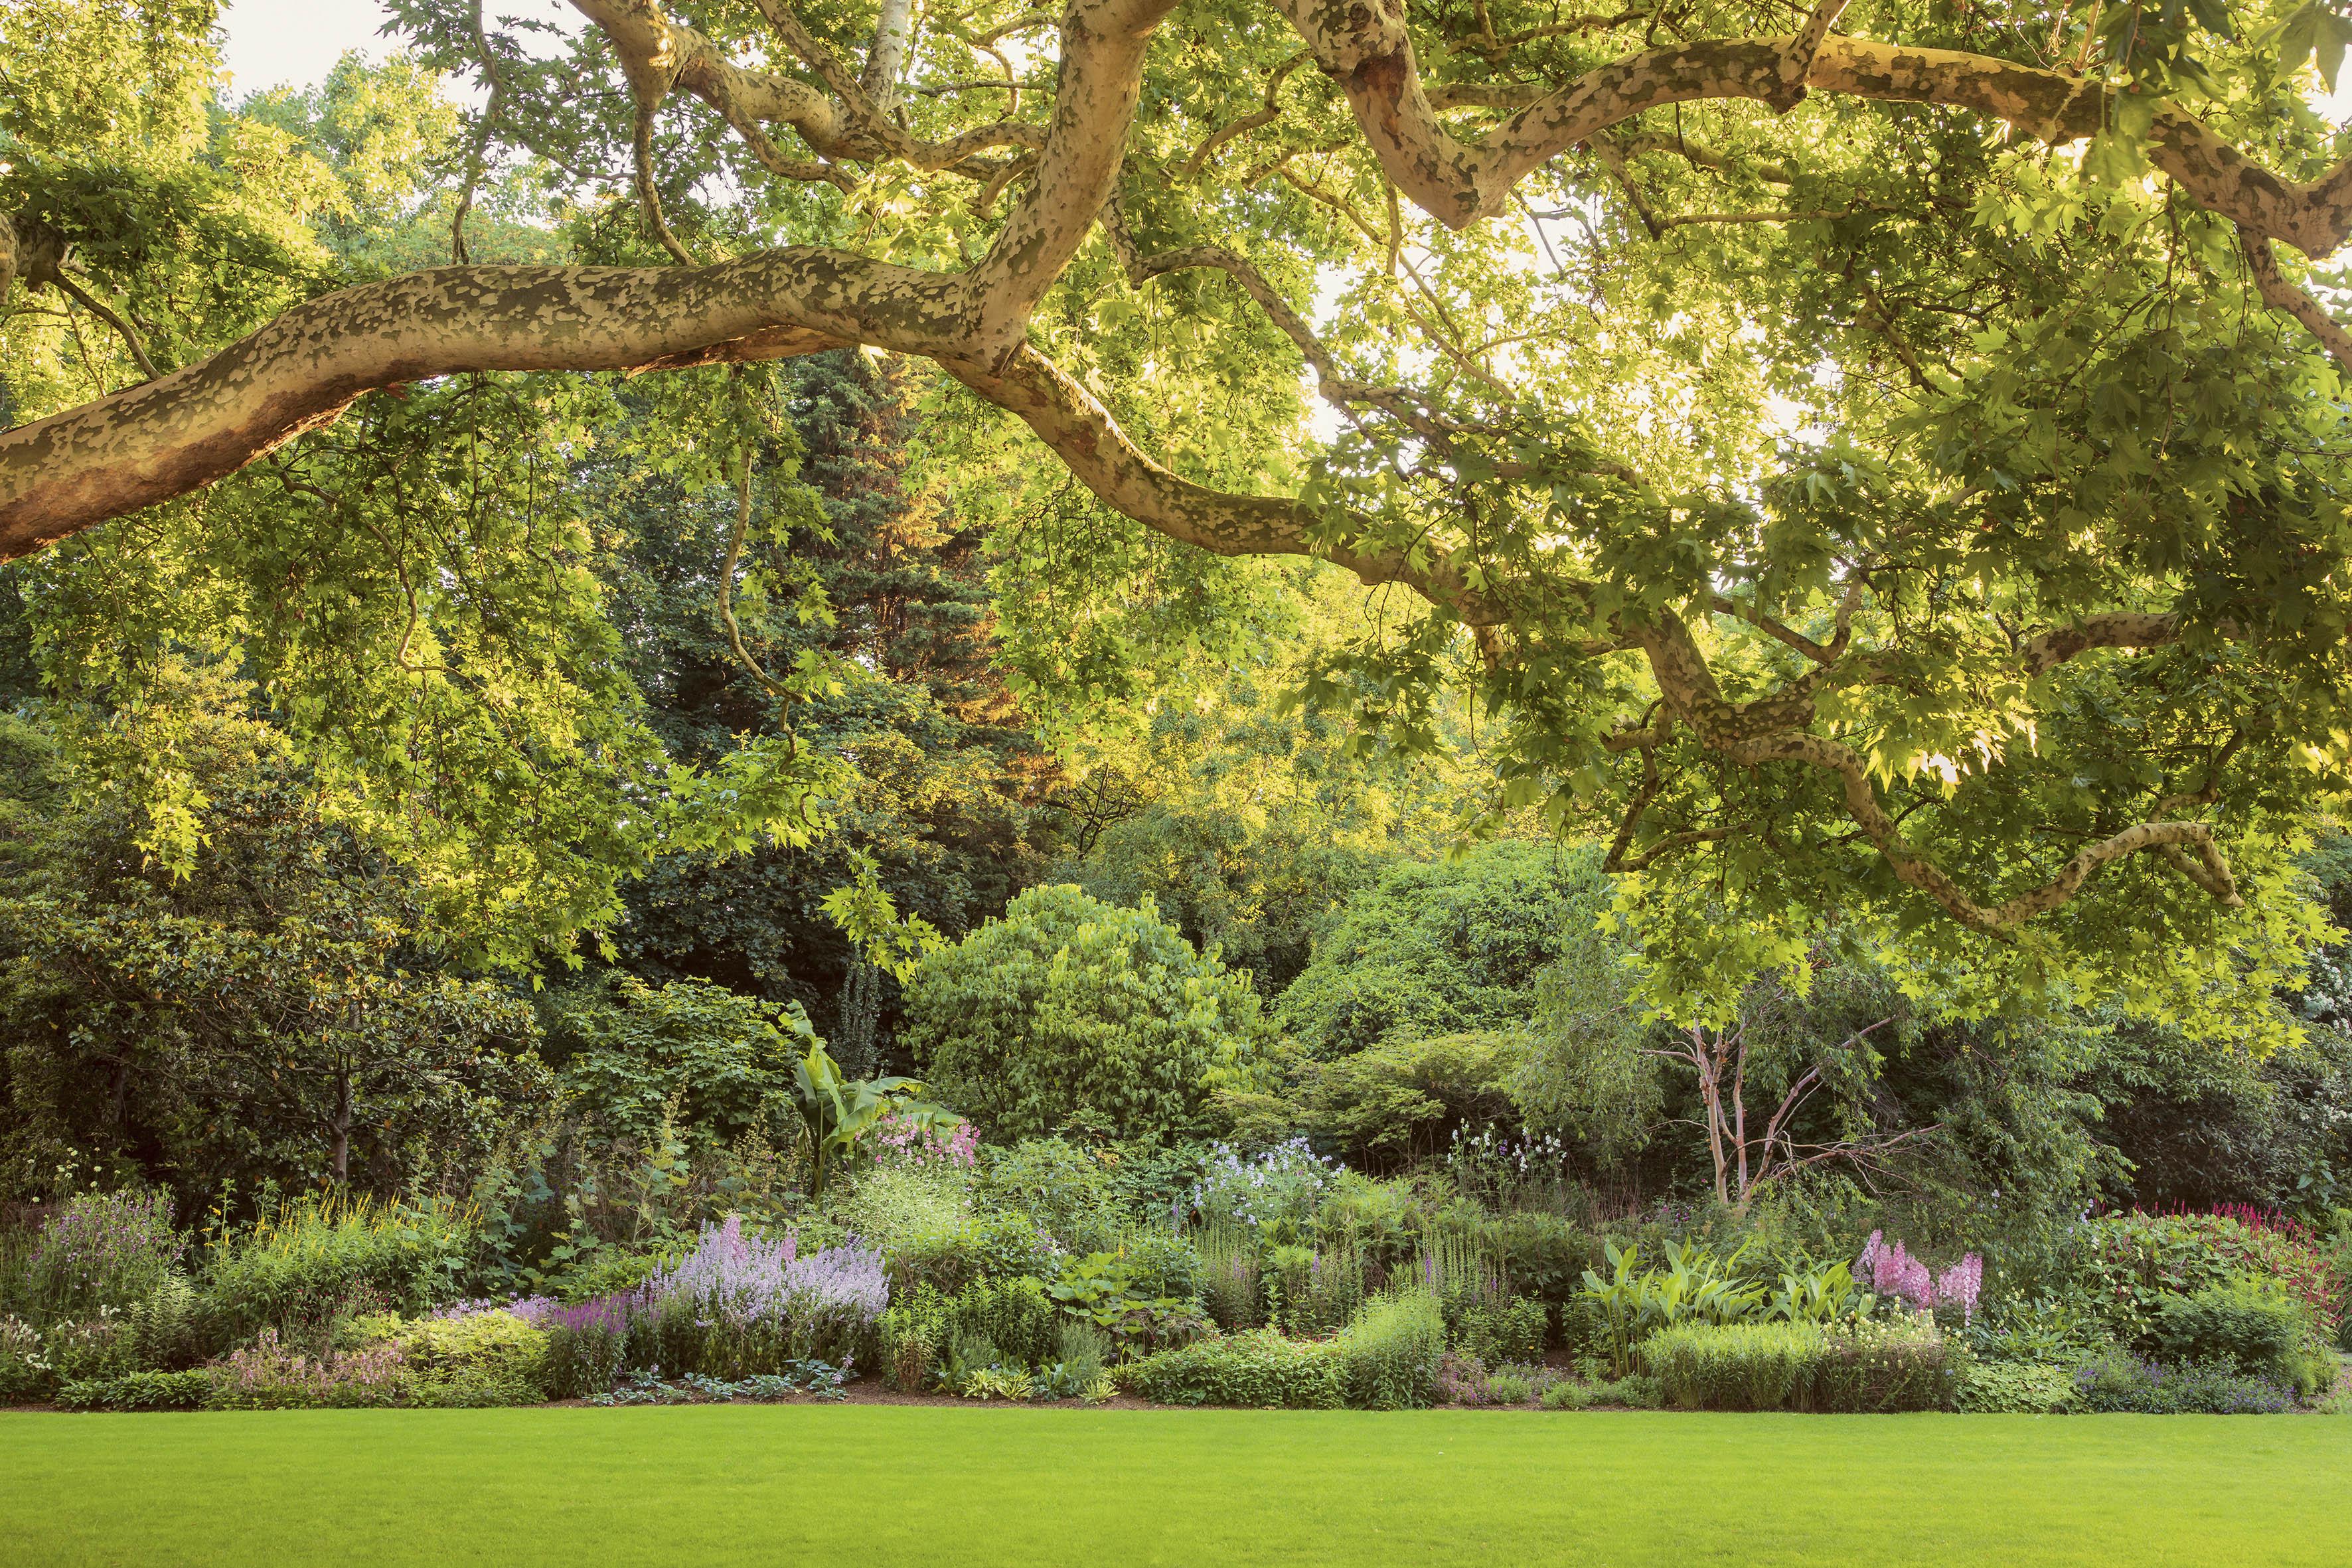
(1064, 1484)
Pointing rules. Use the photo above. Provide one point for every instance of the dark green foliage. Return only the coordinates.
(993, 1246)
(1400, 1101)
(927, 1334)
(1140, 1303)
(2013, 1388)
(1542, 1255)
(1071, 1010)
(1501, 1330)
(629, 1054)
(1160, 1262)
(279, 1013)
(865, 571)
(1435, 948)
(1257, 1368)
(1065, 1187)
(138, 1390)
(2202, 1126)
(2124, 1270)
(1015, 1314)
(2250, 1325)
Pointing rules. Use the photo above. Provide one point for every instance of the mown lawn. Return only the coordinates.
(926, 1485)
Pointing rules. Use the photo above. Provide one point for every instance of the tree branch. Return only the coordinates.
(1367, 52)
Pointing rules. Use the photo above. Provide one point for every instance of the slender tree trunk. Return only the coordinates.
(1707, 1056)
(339, 1151)
(1739, 1114)
(892, 30)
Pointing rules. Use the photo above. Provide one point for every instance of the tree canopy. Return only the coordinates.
(1879, 465)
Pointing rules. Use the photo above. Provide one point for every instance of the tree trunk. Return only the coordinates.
(339, 1151)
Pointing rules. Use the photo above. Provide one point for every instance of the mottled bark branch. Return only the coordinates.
(1098, 452)
(1266, 114)
(2045, 651)
(659, 56)
(182, 431)
(1772, 730)
(887, 56)
(1366, 50)
(2279, 294)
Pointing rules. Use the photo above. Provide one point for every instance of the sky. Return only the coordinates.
(279, 43)
(274, 43)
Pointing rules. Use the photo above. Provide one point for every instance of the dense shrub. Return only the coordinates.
(1501, 1329)
(1389, 1357)
(1542, 1255)
(1160, 1262)
(1256, 1368)
(139, 1391)
(991, 1246)
(2119, 1382)
(1137, 1298)
(2251, 1325)
(2012, 1388)
(1442, 946)
(1064, 1187)
(686, 1053)
(1013, 1315)
(1880, 1364)
(478, 1358)
(1735, 1366)
(1071, 1009)
(1402, 1100)
(309, 1262)
(2127, 1266)
(606, 1271)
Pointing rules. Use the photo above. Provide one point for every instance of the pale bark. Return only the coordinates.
(887, 57)
(1364, 49)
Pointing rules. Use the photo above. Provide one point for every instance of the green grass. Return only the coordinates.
(940, 1486)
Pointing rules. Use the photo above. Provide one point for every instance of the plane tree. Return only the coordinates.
(1880, 464)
